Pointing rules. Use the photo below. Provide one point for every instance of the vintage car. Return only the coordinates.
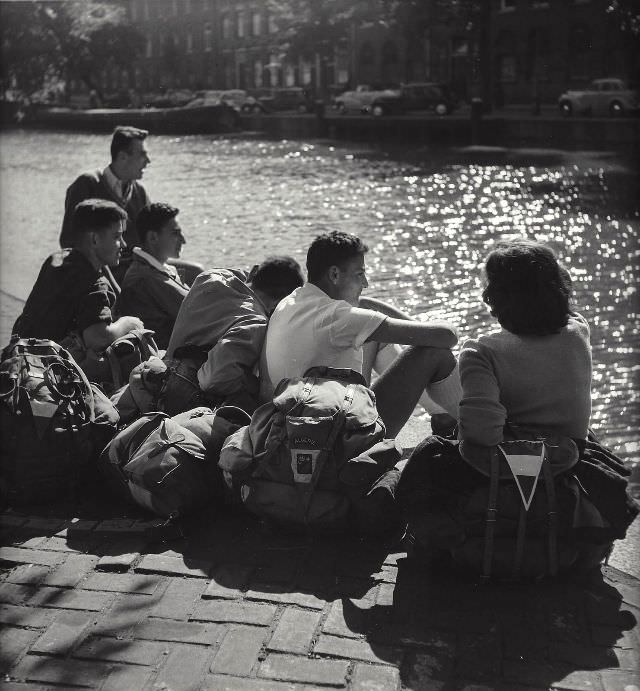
(413, 96)
(357, 100)
(603, 96)
(236, 98)
(289, 98)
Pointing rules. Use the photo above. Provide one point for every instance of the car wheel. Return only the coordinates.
(616, 108)
(377, 111)
(441, 109)
(342, 109)
(566, 108)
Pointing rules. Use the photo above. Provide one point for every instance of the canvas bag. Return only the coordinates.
(288, 462)
(474, 508)
(169, 465)
(52, 421)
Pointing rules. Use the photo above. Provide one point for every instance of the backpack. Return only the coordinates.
(291, 464)
(168, 465)
(52, 420)
(514, 511)
(142, 394)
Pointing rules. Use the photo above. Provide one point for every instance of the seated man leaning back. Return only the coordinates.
(72, 299)
(321, 324)
(219, 332)
(152, 288)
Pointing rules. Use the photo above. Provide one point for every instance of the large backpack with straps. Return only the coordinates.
(515, 511)
(52, 421)
(168, 465)
(302, 460)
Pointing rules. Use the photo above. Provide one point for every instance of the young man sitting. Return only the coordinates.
(72, 299)
(152, 289)
(322, 324)
(218, 335)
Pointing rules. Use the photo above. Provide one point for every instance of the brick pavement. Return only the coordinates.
(91, 602)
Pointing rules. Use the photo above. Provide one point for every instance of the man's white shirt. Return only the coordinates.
(308, 328)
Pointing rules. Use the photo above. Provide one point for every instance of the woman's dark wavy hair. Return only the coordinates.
(527, 289)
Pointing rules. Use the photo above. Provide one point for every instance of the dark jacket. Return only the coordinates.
(94, 186)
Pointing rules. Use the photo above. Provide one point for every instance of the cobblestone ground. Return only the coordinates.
(93, 602)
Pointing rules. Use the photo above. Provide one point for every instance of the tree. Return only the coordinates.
(45, 40)
(314, 29)
(627, 14)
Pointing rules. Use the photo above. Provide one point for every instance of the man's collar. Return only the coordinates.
(150, 259)
(120, 187)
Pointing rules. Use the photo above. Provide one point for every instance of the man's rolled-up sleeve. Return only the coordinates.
(351, 326)
(94, 308)
(230, 363)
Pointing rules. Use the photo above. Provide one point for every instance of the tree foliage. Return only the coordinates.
(44, 40)
(627, 13)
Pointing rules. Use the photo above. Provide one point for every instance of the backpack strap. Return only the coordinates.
(552, 506)
(338, 425)
(492, 510)
(114, 366)
(520, 540)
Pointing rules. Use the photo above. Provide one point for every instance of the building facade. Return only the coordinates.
(507, 51)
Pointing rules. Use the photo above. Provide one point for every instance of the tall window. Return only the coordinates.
(306, 73)
(189, 46)
(258, 73)
(272, 24)
(145, 9)
(256, 23)
(240, 25)
(289, 75)
(174, 7)
(208, 38)
(506, 57)
(134, 12)
(148, 53)
(226, 26)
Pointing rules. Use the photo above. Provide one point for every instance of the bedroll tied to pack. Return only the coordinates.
(519, 510)
(168, 465)
(312, 452)
(52, 422)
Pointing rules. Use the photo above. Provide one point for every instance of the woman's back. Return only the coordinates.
(541, 381)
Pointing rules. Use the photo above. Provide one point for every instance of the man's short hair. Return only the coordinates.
(332, 249)
(153, 217)
(277, 276)
(95, 215)
(122, 138)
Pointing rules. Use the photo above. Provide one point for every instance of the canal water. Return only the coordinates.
(429, 218)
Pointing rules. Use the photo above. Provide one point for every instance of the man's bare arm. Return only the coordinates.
(437, 334)
(100, 336)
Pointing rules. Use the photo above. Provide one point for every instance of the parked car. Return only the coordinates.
(236, 98)
(413, 96)
(357, 100)
(291, 98)
(603, 96)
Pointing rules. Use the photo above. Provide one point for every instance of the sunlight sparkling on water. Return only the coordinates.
(428, 224)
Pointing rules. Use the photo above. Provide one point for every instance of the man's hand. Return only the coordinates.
(130, 324)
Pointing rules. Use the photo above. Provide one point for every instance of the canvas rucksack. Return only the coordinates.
(168, 465)
(52, 421)
(301, 461)
(514, 511)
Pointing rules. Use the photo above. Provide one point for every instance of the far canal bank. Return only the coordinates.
(515, 127)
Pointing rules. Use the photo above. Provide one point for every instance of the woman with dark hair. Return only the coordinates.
(523, 416)
(536, 370)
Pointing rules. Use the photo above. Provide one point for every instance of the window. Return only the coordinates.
(306, 72)
(145, 9)
(257, 73)
(208, 38)
(148, 53)
(226, 26)
(272, 24)
(174, 7)
(579, 50)
(289, 75)
(189, 46)
(134, 12)
(507, 5)
(256, 24)
(274, 70)
(240, 25)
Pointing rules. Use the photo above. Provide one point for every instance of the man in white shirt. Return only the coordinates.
(322, 324)
(152, 289)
